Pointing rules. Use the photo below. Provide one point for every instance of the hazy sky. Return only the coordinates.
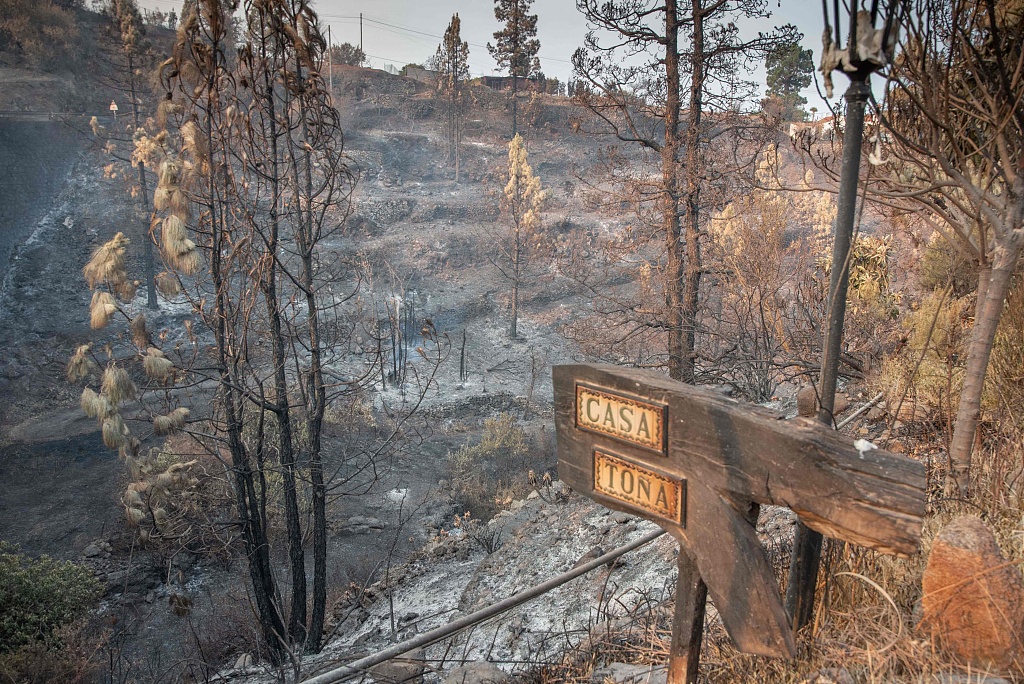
(403, 31)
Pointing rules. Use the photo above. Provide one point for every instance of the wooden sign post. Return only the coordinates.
(700, 465)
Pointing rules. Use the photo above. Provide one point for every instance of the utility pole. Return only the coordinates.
(361, 31)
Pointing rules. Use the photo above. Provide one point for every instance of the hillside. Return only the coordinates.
(442, 492)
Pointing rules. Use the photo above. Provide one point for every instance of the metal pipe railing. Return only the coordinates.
(438, 633)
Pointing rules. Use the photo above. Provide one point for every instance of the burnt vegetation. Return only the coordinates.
(315, 306)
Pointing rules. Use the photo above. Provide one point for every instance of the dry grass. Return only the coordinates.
(865, 621)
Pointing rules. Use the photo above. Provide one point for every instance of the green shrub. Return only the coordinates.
(943, 264)
(38, 596)
(487, 475)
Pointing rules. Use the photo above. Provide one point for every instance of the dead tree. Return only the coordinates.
(635, 85)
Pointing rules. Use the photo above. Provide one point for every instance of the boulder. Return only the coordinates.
(405, 669)
(244, 661)
(972, 598)
(807, 402)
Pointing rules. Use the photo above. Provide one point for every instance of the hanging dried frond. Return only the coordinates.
(168, 284)
(132, 498)
(97, 130)
(118, 385)
(115, 433)
(173, 421)
(195, 142)
(140, 333)
(157, 366)
(135, 515)
(101, 309)
(163, 482)
(170, 173)
(173, 235)
(96, 405)
(179, 205)
(126, 290)
(81, 365)
(89, 402)
(162, 198)
(107, 263)
(188, 263)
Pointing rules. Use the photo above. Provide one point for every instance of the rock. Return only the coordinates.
(92, 550)
(807, 402)
(973, 600)
(480, 672)
(829, 675)
(629, 673)
(245, 660)
(405, 669)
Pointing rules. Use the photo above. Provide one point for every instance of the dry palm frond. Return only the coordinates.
(107, 262)
(118, 385)
(168, 284)
(157, 366)
(81, 366)
(101, 309)
(173, 421)
(126, 289)
(115, 433)
(140, 333)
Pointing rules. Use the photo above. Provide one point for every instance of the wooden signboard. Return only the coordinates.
(699, 464)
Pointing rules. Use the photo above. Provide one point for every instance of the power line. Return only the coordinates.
(408, 29)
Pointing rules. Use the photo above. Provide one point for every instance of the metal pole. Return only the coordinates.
(330, 64)
(360, 666)
(803, 568)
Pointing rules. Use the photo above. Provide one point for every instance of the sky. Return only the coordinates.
(399, 32)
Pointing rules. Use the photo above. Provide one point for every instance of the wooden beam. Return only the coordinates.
(746, 454)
